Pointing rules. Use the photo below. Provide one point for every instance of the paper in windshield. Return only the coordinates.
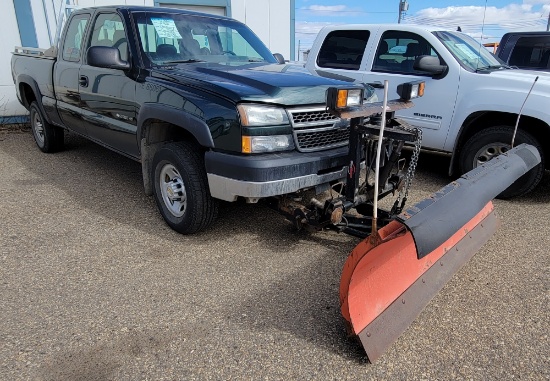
(166, 28)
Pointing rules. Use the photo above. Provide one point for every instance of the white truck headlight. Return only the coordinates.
(260, 115)
(273, 143)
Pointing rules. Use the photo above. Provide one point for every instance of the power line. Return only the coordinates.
(336, 11)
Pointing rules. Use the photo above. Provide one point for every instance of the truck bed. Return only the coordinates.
(39, 63)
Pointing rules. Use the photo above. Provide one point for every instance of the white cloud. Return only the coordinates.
(329, 10)
(530, 15)
(536, 2)
(307, 31)
(326, 8)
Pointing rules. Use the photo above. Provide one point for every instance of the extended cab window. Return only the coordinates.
(73, 38)
(343, 49)
(398, 50)
(108, 31)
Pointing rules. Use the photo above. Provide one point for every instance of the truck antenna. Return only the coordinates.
(521, 110)
(481, 37)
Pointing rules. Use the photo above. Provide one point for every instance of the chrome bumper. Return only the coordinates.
(228, 189)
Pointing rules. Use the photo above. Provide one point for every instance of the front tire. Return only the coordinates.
(489, 143)
(47, 137)
(181, 188)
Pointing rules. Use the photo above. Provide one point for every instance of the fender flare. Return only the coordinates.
(28, 80)
(195, 126)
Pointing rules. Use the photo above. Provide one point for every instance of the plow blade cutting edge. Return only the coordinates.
(388, 279)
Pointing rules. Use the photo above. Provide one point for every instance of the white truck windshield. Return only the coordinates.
(471, 54)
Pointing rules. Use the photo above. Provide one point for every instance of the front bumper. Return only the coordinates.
(259, 176)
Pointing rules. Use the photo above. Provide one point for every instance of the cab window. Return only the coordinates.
(343, 49)
(73, 39)
(398, 50)
(531, 52)
(108, 31)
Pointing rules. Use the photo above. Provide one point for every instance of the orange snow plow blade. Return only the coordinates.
(393, 274)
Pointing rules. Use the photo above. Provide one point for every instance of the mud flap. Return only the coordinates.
(387, 280)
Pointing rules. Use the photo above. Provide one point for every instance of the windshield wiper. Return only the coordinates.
(492, 67)
(255, 60)
(191, 60)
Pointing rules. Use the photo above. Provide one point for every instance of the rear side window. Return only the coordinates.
(531, 52)
(73, 39)
(343, 49)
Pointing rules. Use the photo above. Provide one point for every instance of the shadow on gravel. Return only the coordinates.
(304, 305)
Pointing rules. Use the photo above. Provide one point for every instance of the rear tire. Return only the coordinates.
(181, 188)
(493, 141)
(47, 137)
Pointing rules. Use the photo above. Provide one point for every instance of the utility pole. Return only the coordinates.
(548, 23)
(403, 7)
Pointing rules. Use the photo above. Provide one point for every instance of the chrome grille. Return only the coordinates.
(315, 129)
(325, 138)
(312, 116)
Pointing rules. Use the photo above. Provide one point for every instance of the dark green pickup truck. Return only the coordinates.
(199, 100)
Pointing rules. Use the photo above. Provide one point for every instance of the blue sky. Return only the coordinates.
(500, 16)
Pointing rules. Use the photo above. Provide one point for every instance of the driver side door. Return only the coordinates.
(108, 95)
(393, 61)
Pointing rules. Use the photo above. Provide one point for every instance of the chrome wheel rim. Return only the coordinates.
(38, 128)
(173, 190)
(489, 152)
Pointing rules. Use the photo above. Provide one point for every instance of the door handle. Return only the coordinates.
(376, 85)
(83, 81)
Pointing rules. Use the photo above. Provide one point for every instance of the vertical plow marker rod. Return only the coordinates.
(387, 282)
(377, 165)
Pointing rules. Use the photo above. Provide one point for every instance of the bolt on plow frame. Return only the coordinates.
(407, 253)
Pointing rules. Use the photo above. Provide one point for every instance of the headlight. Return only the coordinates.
(259, 144)
(338, 98)
(260, 115)
(411, 90)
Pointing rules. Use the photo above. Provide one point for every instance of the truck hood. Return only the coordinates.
(287, 85)
(516, 77)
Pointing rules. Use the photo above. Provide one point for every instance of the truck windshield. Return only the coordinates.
(470, 54)
(172, 38)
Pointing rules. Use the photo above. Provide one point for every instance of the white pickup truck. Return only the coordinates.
(472, 100)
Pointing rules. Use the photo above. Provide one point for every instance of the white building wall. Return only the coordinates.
(9, 105)
(269, 19)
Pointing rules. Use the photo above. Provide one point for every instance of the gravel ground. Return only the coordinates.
(96, 287)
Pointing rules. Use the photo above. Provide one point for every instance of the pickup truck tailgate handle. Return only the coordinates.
(83, 81)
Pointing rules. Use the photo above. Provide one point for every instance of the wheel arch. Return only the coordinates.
(29, 92)
(158, 124)
(481, 120)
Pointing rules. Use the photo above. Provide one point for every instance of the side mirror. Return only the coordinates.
(106, 57)
(429, 64)
(279, 57)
